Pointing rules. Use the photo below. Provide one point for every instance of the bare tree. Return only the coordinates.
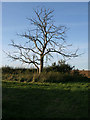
(44, 39)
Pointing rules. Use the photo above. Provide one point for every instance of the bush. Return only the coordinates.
(57, 77)
(54, 75)
(51, 77)
(76, 72)
(63, 68)
(68, 77)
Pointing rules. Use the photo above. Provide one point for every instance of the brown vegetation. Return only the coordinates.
(85, 72)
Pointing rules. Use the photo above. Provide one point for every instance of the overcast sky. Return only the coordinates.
(73, 15)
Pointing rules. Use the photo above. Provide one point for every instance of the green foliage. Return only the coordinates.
(61, 67)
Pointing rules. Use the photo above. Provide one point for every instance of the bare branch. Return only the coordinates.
(21, 47)
(63, 54)
(44, 39)
(32, 38)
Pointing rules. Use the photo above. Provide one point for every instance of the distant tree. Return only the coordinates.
(46, 38)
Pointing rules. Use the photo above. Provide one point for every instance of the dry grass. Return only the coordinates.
(86, 72)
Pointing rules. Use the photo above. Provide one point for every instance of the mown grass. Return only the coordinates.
(44, 100)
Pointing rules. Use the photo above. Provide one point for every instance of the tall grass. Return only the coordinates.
(30, 75)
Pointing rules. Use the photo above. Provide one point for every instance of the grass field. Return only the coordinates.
(44, 100)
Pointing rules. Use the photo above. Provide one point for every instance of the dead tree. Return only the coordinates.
(44, 39)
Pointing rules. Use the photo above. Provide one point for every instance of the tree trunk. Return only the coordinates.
(37, 70)
(41, 65)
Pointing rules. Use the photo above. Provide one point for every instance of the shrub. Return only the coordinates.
(63, 68)
(76, 72)
(57, 77)
(52, 77)
(53, 74)
(68, 77)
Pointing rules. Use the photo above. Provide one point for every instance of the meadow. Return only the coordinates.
(27, 99)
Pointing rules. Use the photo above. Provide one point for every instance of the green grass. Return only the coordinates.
(44, 100)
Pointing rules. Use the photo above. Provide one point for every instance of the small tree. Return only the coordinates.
(44, 39)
